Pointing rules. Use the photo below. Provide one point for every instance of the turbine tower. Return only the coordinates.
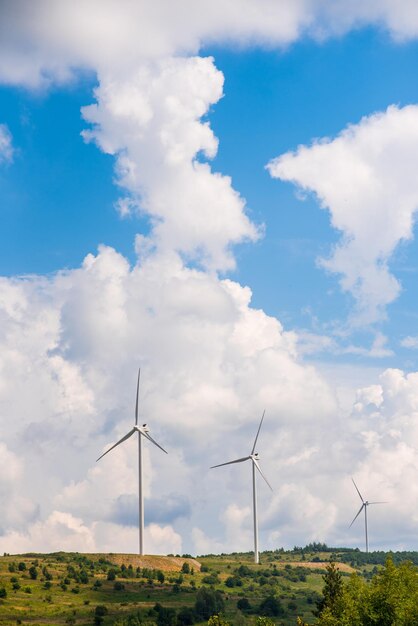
(364, 505)
(255, 465)
(143, 431)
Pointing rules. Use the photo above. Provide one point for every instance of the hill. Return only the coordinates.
(66, 588)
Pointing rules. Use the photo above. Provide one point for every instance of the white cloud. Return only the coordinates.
(210, 363)
(152, 122)
(366, 178)
(409, 342)
(70, 344)
(46, 40)
(6, 147)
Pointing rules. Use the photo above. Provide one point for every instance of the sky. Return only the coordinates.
(224, 196)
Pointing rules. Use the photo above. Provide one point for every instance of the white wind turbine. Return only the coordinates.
(364, 505)
(255, 464)
(143, 431)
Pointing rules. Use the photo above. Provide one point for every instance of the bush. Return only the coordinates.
(244, 605)
(99, 612)
(185, 568)
(208, 603)
(118, 586)
(21, 567)
(33, 572)
(111, 574)
(186, 616)
(3, 592)
(271, 607)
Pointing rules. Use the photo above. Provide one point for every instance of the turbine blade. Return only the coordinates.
(379, 502)
(360, 510)
(131, 432)
(137, 395)
(361, 497)
(259, 469)
(258, 432)
(148, 436)
(244, 458)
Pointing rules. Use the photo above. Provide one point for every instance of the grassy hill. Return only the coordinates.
(66, 588)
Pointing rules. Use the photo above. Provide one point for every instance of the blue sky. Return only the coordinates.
(274, 100)
(174, 104)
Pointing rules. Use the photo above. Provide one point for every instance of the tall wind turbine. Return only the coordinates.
(143, 431)
(364, 505)
(255, 465)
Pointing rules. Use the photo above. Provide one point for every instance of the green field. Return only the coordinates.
(66, 588)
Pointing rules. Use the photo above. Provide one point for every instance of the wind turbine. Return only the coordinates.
(255, 464)
(364, 505)
(143, 431)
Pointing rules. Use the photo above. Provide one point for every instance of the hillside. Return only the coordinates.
(66, 588)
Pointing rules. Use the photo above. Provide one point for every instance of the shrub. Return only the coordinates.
(111, 574)
(33, 572)
(3, 592)
(118, 586)
(99, 612)
(22, 566)
(244, 605)
(208, 603)
(271, 607)
(185, 568)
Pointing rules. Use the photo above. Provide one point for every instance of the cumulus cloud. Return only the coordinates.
(366, 178)
(47, 40)
(70, 348)
(211, 363)
(71, 343)
(152, 123)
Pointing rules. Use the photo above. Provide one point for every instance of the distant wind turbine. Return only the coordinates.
(364, 505)
(143, 431)
(255, 464)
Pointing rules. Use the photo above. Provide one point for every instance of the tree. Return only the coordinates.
(3, 592)
(160, 577)
(185, 568)
(33, 572)
(111, 574)
(271, 607)
(331, 592)
(244, 605)
(208, 603)
(99, 612)
(186, 616)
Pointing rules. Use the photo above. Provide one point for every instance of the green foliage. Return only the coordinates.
(208, 603)
(185, 568)
(118, 586)
(390, 599)
(216, 620)
(271, 607)
(332, 592)
(186, 616)
(3, 592)
(244, 605)
(21, 566)
(33, 572)
(111, 574)
(99, 612)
